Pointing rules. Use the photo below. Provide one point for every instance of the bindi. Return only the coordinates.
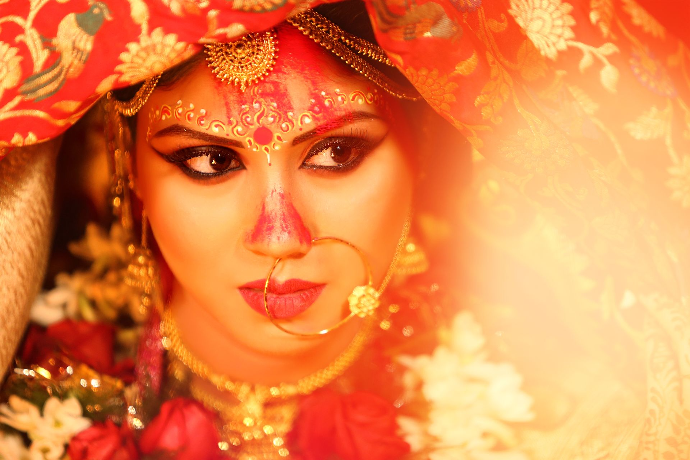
(261, 125)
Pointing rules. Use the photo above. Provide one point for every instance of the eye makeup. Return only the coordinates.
(261, 126)
(219, 161)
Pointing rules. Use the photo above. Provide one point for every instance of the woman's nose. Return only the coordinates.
(279, 230)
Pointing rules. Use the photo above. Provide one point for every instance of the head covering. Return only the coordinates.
(578, 112)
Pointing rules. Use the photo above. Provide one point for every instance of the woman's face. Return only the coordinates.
(222, 213)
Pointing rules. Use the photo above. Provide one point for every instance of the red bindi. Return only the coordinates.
(263, 135)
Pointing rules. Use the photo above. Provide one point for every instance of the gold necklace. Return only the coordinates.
(246, 437)
(247, 392)
(254, 428)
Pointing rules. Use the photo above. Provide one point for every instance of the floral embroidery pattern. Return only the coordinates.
(679, 182)
(10, 72)
(434, 88)
(151, 55)
(546, 22)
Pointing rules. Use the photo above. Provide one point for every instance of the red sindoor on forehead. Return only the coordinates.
(297, 58)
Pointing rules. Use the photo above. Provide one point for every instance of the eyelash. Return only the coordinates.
(179, 157)
(357, 139)
(354, 141)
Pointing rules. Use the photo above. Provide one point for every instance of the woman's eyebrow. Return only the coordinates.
(179, 130)
(335, 123)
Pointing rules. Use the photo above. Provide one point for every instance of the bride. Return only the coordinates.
(265, 291)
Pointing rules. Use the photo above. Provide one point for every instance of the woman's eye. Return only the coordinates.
(212, 163)
(206, 161)
(337, 154)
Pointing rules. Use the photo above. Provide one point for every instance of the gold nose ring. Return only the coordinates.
(363, 300)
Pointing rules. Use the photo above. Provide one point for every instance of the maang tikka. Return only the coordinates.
(251, 58)
(244, 61)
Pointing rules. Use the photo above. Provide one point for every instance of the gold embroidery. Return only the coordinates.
(257, 6)
(434, 88)
(679, 182)
(19, 141)
(601, 15)
(641, 18)
(495, 92)
(530, 61)
(654, 124)
(467, 66)
(546, 22)
(66, 106)
(152, 55)
(544, 150)
(10, 70)
(182, 7)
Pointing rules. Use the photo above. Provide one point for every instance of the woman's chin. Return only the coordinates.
(260, 336)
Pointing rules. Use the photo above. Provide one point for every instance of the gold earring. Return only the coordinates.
(141, 270)
(413, 259)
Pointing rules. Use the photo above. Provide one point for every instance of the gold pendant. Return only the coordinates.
(244, 61)
(258, 437)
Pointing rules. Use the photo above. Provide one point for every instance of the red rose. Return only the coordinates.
(88, 342)
(357, 426)
(184, 428)
(103, 441)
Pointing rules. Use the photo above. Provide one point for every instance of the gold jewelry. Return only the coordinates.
(347, 47)
(413, 259)
(246, 436)
(131, 107)
(244, 61)
(363, 301)
(141, 271)
(252, 394)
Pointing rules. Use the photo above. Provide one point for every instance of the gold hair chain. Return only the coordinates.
(347, 47)
(131, 107)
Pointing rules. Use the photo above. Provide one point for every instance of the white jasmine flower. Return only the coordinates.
(413, 432)
(471, 401)
(12, 447)
(467, 338)
(505, 398)
(61, 420)
(20, 414)
(51, 307)
(46, 449)
(49, 433)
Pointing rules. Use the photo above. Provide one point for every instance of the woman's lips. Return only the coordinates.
(285, 300)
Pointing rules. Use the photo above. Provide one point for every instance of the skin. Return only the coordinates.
(218, 234)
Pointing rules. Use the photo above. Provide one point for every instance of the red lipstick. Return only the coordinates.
(285, 300)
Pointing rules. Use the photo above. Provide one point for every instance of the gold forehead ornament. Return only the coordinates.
(251, 58)
(244, 61)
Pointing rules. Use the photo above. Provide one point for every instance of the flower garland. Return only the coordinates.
(70, 400)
